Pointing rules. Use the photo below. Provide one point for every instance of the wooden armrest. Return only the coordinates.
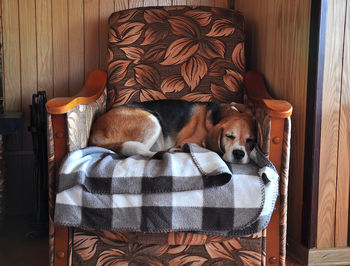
(257, 92)
(92, 90)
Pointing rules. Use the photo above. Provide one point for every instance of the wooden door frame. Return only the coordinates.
(318, 23)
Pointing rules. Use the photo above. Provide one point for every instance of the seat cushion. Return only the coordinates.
(191, 53)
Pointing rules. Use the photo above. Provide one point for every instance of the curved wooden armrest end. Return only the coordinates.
(257, 93)
(92, 90)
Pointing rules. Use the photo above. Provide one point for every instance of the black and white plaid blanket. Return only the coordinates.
(193, 190)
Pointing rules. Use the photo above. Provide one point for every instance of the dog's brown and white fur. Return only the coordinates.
(149, 127)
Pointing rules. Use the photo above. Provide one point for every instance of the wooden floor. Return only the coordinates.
(292, 262)
(22, 244)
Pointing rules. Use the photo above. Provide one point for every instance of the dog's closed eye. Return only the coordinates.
(230, 136)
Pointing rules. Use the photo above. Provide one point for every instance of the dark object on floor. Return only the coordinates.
(10, 123)
(38, 125)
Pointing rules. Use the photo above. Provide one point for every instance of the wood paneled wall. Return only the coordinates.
(278, 44)
(332, 229)
(54, 44)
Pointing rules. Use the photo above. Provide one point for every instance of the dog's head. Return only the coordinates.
(234, 136)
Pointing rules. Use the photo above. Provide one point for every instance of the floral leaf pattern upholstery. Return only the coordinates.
(191, 53)
(118, 248)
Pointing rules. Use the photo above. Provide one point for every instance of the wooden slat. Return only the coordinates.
(44, 44)
(163, 2)
(28, 62)
(121, 5)
(277, 33)
(91, 36)
(60, 48)
(207, 3)
(330, 124)
(179, 2)
(332, 256)
(221, 3)
(151, 3)
(193, 2)
(76, 45)
(135, 3)
(106, 9)
(343, 174)
(11, 59)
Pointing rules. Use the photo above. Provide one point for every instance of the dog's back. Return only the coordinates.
(174, 115)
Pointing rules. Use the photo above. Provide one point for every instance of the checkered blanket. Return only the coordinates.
(193, 190)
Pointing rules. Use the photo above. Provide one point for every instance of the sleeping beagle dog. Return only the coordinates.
(148, 127)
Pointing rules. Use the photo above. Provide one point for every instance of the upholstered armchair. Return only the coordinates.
(190, 53)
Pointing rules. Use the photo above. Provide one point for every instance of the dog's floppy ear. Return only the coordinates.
(243, 108)
(239, 106)
(214, 138)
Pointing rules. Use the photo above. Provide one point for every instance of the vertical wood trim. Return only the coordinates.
(91, 36)
(76, 45)
(44, 46)
(330, 123)
(106, 9)
(317, 41)
(29, 74)
(343, 173)
(121, 5)
(11, 59)
(60, 47)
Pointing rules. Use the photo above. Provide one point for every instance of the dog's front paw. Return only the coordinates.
(158, 155)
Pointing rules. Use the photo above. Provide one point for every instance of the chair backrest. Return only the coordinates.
(178, 52)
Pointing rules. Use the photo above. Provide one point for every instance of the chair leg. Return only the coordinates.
(273, 230)
(61, 234)
(61, 246)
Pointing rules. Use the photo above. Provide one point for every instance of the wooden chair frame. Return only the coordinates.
(278, 110)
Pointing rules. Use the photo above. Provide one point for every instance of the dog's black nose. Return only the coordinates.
(238, 154)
